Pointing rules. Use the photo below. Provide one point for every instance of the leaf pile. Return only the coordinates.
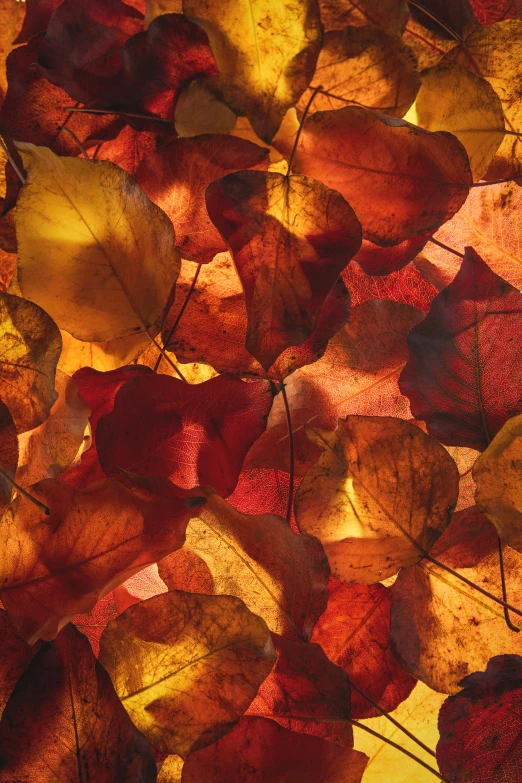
(260, 391)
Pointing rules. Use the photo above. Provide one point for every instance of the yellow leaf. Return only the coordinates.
(94, 251)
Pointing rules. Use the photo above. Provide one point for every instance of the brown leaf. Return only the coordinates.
(54, 567)
(259, 751)
(14, 658)
(390, 14)
(266, 54)
(8, 455)
(400, 180)
(29, 354)
(171, 655)
(443, 630)
(290, 238)
(93, 250)
(64, 722)
(279, 575)
(378, 498)
(364, 65)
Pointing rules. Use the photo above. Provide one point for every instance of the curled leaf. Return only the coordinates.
(169, 656)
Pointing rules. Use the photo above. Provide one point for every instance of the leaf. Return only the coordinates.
(128, 149)
(392, 15)
(491, 11)
(81, 50)
(405, 286)
(480, 726)
(98, 390)
(357, 374)
(364, 65)
(378, 498)
(279, 575)
(214, 324)
(48, 450)
(354, 632)
(302, 685)
(259, 751)
(11, 18)
(453, 99)
(200, 434)
(8, 455)
(493, 52)
(156, 64)
(29, 354)
(169, 655)
(290, 239)
(102, 356)
(55, 567)
(266, 54)
(400, 180)
(499, 489)
(15, 656)
(376, 260)
(171, 769)
(443, 630)
(176, 177)
(120, 243)
(419, 715)
(462, 353)
(65, 722)
(36, 19)
(33, 107)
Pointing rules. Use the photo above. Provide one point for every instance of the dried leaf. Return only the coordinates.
(364, 65)
(176, 177)
(463, 352)
(169, 656)
(14, 658)
(11, 18)
(120, 243)
(65, 722)
(376, 161)
(29, 354)
(480, 726)
(266, 54)
(390, 14)
(279, 575)
(54, 567)
(8, 455)
(499, 488)
(199, 434)
(378, 498)
(354, 631)
(259, 751)
(442, 629)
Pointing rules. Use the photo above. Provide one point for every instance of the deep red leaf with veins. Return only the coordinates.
(305, 684)
(195, 434)
(37, 15)
(491, 11)
(407, 286)
(98, 390)
(481, 727)
(177, 176)
(33, 107)
(214, 324)
(354, 632)
(260, 751)
(156, 65)
(128, 149)
(376, 260)
(464, 371)
(81, 50)
(65, 722)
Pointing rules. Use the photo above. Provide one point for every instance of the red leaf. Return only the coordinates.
(15, 654)
(65, 722)
(481, 727)
(407, 286)
(260, 751)
(354, 632)
(199, 434)
(36, 19)
(177, 175)
(375, 260)
(464, 372)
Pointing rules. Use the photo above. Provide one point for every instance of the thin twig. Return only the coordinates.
(435, 19)
(12, 161)
(26, 494)
(75, 138)
(178, 319)
(445, 247)
(301, 124)
(291, 453)
(166, 357)
(119, 114)
(510, 625)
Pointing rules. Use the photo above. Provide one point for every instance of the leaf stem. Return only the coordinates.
(178, 318)
(471, 584)
(482, 184)
(163, 353)
(445, 247)
(507, 618)
(301, 124)
(75, 138)
(26, 494)
(119, 114)
(291, 453)
(435, 19)
(12, 161)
